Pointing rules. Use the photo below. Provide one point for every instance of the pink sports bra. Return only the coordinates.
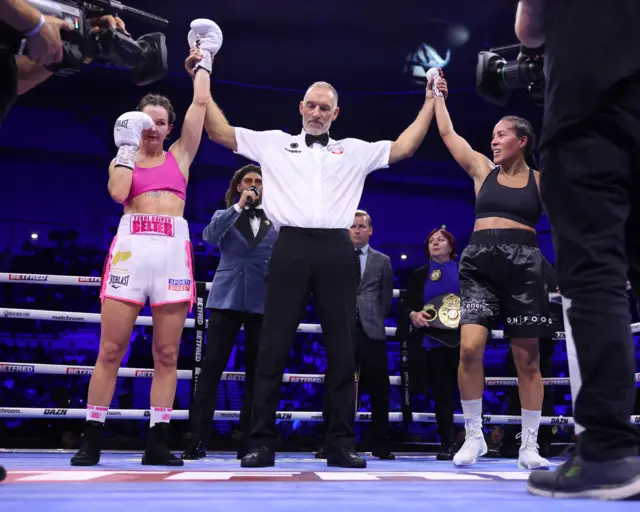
(166, 176)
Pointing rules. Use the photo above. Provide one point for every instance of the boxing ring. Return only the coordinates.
(119, 472)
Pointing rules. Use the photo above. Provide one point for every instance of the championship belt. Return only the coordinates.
(444, 319)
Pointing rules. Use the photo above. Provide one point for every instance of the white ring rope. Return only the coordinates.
(288, 378)
(94, 318)
(137, 414)
(181, 415)
(97, 281)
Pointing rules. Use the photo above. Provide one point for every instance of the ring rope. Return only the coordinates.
(361, 417)
(94, 318)
(288, 378)
(97, 281)
(136, 414)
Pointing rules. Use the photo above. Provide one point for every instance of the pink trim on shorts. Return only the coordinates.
(121, 299)
(106, 268)
(189, 248)
(172, 302)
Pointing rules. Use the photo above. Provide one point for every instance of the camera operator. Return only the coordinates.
(31, 74)
(591, 159)
(44, 44)
(44, 47)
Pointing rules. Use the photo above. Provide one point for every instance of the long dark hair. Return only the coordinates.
(523, 128)
(450, 238)
(232, 195)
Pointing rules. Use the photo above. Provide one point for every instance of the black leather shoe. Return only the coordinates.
(241, 453)
(91, 445)
(195, 451)
(383, 454)
(345, 458)
(446, 453)
(261, 457)
(3, 473)
(157, 452)
(320, 454)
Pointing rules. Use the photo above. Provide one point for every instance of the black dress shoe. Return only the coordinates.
(157, 451)
(446, 453)
(320, 454)
(195, 451)
(345, 458)
(383, 454)
(91, 445)
(3, 473)
(241, 453)
(261, 457)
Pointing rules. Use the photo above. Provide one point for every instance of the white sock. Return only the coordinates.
(531, 420)
(472, 410)
(97, 413)
(160, 415)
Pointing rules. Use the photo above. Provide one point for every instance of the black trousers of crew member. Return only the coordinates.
(372, 360)
(442, 376)
(8, 83)
(304, 261)
(591, 193)
(222, 332)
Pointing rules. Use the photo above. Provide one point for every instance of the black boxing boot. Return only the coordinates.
(91, 445)
(157, 452)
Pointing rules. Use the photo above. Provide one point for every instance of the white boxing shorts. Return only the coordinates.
(150, 257)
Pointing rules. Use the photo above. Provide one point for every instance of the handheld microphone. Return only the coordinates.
(255, 190)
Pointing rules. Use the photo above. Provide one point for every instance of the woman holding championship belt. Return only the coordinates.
(501, 276)
(430, 290)
(151, 255)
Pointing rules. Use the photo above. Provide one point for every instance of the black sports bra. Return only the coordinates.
(521, 205)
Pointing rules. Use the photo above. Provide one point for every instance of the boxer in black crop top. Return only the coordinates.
(501, 277)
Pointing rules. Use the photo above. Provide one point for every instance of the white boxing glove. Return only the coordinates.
(207, 36)
(127, 133)
(435, 74)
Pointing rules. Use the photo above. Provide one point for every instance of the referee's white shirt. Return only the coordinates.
(311, 187)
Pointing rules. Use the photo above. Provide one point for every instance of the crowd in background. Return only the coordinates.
(49, 342)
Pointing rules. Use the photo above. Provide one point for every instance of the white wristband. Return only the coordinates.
(434, 87)
(126, 156)
(205, 63)
(34, 31)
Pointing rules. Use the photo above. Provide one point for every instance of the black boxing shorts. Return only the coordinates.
(502, 278)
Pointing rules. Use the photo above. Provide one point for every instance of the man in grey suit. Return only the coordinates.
(245, 237)
(375, 295)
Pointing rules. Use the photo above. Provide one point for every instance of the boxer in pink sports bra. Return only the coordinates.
(150, 258)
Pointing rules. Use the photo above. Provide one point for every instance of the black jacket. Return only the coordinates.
(413, 301)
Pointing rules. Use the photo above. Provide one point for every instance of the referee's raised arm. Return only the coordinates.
(218, 128)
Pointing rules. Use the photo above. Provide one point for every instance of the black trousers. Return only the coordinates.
(442, 376)
(304, 261)
(372, 360)
(8, 83)
(223, 329)
(590, 189)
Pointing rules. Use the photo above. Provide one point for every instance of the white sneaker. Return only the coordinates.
(529, 457)
(474, 446)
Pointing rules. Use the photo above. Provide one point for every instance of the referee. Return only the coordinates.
(312, 185)
(590, 148)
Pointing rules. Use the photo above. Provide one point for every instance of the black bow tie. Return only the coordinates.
(321, 139)
(254, 212)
